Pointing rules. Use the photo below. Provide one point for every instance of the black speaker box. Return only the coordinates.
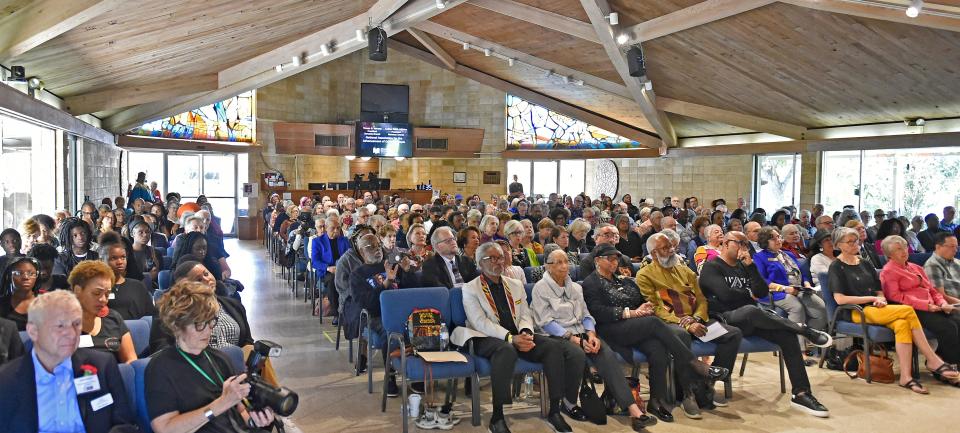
(18, 73)
(635, 62)
(317, 186)
(377, 44)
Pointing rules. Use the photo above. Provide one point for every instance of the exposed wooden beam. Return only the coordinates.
(121, 97)
(879, 12)
(581, 154)
(43, 20)
(537, 98)
(434, 48)
(18, 104)
(383, 9)
(155, 143)
(641, 92)
(410, 14)
(747, 121)
(540, 17)
(689, 17)
(460, 37)
(882, 142)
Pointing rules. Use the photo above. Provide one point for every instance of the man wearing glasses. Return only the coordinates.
(447, 268)
(500, 327)
(676, 297)
(732, 284)
(606, 234)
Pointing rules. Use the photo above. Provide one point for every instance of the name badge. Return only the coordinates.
(86, 341)
(101, 402)
(112, 296)
(87, 384)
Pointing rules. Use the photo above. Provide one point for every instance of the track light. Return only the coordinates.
(914, 9)
(622, 38)
(566, 79)
(547, 73)
(361, 37)
(350, 157)
(324, 50)
(578, 82)
(440, 4)
(486, 52)
(295, 61)
(466, 46)
(510, 61)
(919, 121)
(278, 68)
(364, 158)
(399, 158)
(614, 18)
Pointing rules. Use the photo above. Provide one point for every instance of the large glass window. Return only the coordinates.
(777, 181)
(28, 163)
(546, 177)
(229, 120)
(520, 169)
(531, 126)
(572, 176)
(908, 181)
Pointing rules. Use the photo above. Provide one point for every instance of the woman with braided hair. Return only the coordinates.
(74, 236)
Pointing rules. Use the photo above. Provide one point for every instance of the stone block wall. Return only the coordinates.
(707, 177)
(810, 179)
(99, 171)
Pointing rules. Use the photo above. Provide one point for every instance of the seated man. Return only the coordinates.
(943, 268)
(57, 387)
(732, 286)
(501, 327)
(607, 234)
(10, 345)
(447, 268)
(676, 297)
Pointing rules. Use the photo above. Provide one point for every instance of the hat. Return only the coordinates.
(604, 250)
(815, 247)
(458, 197)
(649, 202)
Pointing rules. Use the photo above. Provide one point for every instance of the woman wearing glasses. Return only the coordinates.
(103, 329)
(18, 287)
(190, 386)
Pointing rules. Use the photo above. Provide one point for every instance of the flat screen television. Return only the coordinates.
(384, 140)
(384, 98)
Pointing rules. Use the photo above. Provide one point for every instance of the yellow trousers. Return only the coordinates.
(899, 318)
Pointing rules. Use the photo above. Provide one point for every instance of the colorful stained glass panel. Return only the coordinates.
(530, 126)
(230, 120)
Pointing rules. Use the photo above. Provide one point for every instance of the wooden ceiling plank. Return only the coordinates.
(383, 9)
(434, 47)
(460, 37)
(879, 13)
(411, 14)
(540, 17)
(641, 92)
(747, 121)
(43, 20)
(689, 17)
(121, 97)
(561, 107)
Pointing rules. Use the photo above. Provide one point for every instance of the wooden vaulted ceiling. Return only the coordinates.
(772, 66)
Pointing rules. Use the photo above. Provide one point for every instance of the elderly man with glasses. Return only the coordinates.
(501, 328)
(447, 268)
(732, 285)
(606, 234)
(677, 300)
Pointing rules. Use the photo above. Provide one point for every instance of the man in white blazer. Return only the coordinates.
(501, 327)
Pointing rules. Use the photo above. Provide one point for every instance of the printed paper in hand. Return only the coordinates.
(714, 330)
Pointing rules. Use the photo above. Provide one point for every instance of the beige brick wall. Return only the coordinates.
(810, 179)
(99, 168)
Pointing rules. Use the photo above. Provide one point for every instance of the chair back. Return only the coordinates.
(163, 280)
(167, 263)
(919, 258)
(805, 267)
(529, 289)
(235, 353)
(457, 314)
(528, 273)
(828, 300)
(574, 272)
(140, 331)
(140, 394)
(396, 305)
(27, 342)
(129, 383)
(170, 251)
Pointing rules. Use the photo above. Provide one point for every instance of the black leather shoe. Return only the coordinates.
(498, 426)
(640, 424)
(656, 409)
(576, 413)
(557, 423)
(717, 373)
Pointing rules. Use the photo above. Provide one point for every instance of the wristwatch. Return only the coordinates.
(209, 414)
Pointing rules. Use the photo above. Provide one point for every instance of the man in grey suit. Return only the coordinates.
(501, 327)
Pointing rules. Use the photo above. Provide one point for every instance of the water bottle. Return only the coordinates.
(527, 391)
(444, 336)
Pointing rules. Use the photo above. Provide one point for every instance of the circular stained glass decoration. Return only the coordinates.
(606, 178)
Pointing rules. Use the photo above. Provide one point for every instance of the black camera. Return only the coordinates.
(396, 256)
(282, 400)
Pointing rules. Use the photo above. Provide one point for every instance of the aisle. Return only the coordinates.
(332, 399)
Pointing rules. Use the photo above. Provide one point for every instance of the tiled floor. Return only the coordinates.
(333, 400)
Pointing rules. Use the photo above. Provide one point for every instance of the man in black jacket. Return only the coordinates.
(10, 345)
(732, 285)
(447, 268)
(609, 235)
(57, 387)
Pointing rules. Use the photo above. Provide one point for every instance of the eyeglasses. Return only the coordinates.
(447, 240)
(201, 326)
(20, 274)
(492, 259)
(610, 235)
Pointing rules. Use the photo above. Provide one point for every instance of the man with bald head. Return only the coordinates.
(732, 284)
(752, 232)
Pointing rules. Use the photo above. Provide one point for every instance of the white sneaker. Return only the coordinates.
(430, 421)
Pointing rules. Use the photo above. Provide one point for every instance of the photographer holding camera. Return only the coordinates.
(189, 385)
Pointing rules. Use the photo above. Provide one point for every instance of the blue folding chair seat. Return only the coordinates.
(522, 367)
(140, 332)
(235, 354)
(416, 368)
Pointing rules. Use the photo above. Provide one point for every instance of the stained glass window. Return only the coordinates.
(230, 120)
(530, 126)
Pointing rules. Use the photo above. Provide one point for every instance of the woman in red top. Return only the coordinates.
(906, 283)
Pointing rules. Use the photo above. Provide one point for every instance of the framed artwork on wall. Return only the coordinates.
(491, 177)
(459, 177)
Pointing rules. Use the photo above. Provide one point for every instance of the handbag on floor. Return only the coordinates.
(881, 366)
(592, 406)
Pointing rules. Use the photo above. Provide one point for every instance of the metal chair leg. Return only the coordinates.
(743, 364)
(783, 380)
(869, 346)
(544, 396)
(475, 399)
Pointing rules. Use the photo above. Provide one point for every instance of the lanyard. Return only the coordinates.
(200, 370)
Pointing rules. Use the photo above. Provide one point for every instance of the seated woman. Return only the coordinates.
(867, 252)
(711, 249)
(630, 243)
(417, 239)
(106, 331)
(528, 242)
(560, 311)
(75, 237)
(580, 240)
(50, 277)
(189, 386)
(561, 237)
(699, 238)
(489, 229)
(512, 271)
(735, 224)
(856, 282)
(468, 239)
(907, 283)
(18, 287)
(790, 288)
(521, 257)
(11, 242)
(195, 244)
(793, 242)
(129, 297)
(626, 320)
(889, 227)
(144, 254)
(822, 255)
